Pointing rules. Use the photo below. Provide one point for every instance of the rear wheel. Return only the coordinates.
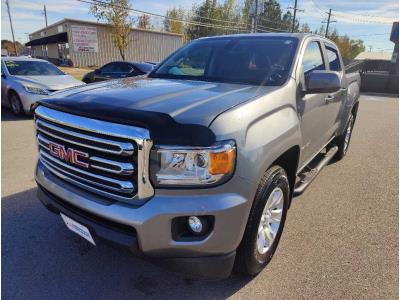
(15, 104)
(343, 141)
(266, 222)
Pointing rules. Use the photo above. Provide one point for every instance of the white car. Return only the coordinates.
(26, 80)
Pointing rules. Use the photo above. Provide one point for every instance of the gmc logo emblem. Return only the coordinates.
(69, 155)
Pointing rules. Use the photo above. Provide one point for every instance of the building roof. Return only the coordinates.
(100, 24)
(374, 56)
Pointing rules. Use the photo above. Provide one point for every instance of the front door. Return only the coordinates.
(313, 108)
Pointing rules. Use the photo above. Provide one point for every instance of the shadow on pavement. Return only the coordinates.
(7, 115)
(42, 259)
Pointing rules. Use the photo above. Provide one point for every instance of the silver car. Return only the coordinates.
(26, 80)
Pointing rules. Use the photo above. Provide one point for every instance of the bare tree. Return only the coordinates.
(144, 22)
(116, 14)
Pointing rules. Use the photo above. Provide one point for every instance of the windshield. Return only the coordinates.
(247, 60)
(145, 67)
(31, 68)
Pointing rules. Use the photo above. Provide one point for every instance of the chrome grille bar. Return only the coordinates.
(114, 159)
(116, 185)
(99, 163)
(125, 149)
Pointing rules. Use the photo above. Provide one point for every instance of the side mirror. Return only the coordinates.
(96, 71)
(318, 82)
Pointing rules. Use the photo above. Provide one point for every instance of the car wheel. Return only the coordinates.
(265, 223)
(15, 104)
(343, 141)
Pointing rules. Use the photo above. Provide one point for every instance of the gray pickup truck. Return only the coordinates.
(194, 166)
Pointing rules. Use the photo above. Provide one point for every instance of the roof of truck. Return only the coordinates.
(300, 36)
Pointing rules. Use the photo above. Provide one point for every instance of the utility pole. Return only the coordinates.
(295, 9)
(11, 25)
(254, 16)
(45, 13)
(328, 22)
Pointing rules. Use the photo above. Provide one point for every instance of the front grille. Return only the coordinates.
(101, 157)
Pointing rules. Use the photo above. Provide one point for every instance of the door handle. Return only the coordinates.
(329, 99)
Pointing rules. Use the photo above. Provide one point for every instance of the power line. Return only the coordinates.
(165, 17)
(356, 17)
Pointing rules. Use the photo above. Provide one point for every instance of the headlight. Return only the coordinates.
(36, 90)
(193, 166)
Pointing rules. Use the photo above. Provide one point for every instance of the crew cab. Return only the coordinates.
(195, 165)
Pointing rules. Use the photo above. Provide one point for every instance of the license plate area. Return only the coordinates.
(78, 228)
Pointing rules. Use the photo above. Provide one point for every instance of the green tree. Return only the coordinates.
(173, 26)
(116, 14)
(272, 18)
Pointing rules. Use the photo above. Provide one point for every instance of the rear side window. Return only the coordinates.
(109, 68)
(333, 58)
(123, 68)
(312, 59)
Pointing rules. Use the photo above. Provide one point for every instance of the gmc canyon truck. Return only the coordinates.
(194, 166)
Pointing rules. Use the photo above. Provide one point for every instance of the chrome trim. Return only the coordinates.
(80, 184)
(125, 186)
(140, 136)
(126, 149)
(123, 168)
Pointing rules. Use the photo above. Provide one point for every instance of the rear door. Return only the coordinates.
(337, 99)
(313, 108)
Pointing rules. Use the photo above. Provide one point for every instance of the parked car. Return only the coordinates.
(26, 80)
(118, 69)
(196, 165)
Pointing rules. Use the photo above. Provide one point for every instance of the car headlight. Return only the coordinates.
(193, 166)
(36, 90)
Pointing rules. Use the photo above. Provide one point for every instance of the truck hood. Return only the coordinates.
(155, 103)
(194, 102)
(51, 83)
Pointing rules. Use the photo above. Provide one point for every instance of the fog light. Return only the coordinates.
(195, 224)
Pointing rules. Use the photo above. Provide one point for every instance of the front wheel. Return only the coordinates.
(16, 105)
(266, 222)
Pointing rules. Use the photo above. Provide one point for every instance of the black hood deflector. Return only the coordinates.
(163, 128)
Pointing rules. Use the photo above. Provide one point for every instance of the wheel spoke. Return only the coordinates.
(269, 236)
(275, 216)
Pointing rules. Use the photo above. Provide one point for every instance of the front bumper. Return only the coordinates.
(29, 99)
(146, 230)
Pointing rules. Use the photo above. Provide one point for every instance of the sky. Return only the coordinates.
(369, 20)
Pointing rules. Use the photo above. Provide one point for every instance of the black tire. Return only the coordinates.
(249, 260)
(341, 142)
(15, 104)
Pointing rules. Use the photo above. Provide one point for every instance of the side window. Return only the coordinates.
(109, 68)
(123, 68)
(333, 58)
(312, 59)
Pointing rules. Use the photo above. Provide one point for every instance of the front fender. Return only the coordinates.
(263, 128)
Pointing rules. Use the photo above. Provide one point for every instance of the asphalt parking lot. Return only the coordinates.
(340, 239)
